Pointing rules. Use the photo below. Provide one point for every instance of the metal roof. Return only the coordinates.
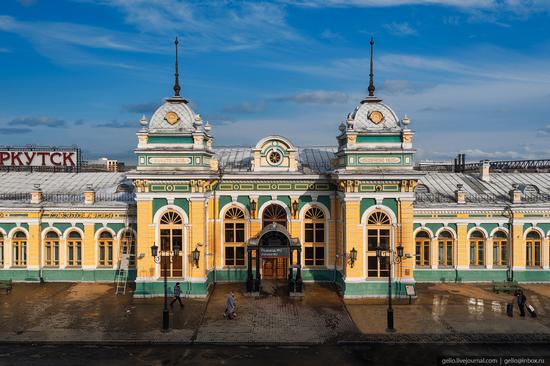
(312, 159)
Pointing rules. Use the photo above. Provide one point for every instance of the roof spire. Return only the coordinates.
(177, 81)
(371, 83)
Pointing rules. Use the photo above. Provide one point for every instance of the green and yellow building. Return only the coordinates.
(275, 211)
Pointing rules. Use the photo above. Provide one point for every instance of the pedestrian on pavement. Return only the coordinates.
(177, 294)
(521, 299)
(230, 306)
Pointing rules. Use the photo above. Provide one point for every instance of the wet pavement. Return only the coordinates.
(371, 354)
(457, 309)
(92, 313)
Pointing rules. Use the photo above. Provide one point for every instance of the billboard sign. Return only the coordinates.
(40, 158)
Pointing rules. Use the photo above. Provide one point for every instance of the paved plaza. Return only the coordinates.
(92, 313)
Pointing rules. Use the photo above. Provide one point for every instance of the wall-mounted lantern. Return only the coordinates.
(155, 251)
(352, 256)
(295, 207)
(253, 206)
(195, 256)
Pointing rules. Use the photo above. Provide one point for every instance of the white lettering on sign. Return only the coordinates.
(37, 158)
(157, 160)
(379, 160)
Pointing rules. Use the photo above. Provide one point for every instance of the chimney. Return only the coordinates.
(515, 194)
(37, 196)
(460, 195)
(89, 195)
(484, 171)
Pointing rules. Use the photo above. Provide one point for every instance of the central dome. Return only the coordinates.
(173, 116)
(363, 119)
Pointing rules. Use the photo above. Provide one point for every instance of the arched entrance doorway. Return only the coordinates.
(274, 267)
(171, 240)
(273, 249)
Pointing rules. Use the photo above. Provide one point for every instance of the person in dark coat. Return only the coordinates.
(230, 306)
(521, 299)
(177, 294)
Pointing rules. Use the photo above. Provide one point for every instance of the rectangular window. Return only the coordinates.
(319, 256)
(229, 233)
(503, 253)
(537, 254)
(372, 269)
(496, 259)
(427, 253)
(239, 256)
(164, 240)
(372, 239)
(229, 256)
(308, 256)
(384, 267)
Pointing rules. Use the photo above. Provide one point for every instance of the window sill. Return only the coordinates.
(73, 267)
(472, 266)
(445, 267)
(19, 267)
(533, 267)
(51, 267)
(104, 267)
(423, 266)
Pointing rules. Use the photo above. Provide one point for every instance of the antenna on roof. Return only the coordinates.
(177, 81)
(371, 83)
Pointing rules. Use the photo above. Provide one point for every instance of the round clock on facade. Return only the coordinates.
(171, 117)
(376, 117)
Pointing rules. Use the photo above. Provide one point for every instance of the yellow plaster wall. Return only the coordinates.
(518, 246)
(88, 250)
(145, 239)
(33, 245)
(196, 236)
(407, 237)
(354, 238)
(462, 255)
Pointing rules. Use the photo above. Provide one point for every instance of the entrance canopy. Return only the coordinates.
(273, 235)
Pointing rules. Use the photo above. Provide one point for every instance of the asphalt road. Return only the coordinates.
(371, 354)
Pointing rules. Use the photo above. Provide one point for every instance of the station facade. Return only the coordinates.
(276, 211)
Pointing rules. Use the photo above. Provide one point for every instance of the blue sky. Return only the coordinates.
(473, 75)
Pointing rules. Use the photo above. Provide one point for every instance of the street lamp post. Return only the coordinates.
(395, 259)
(163, 264)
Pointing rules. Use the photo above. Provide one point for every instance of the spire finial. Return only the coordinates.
(177, 81)
(371, 82)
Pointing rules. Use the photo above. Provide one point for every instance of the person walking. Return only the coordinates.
(177, 294)
(521, 299)
(230, 306)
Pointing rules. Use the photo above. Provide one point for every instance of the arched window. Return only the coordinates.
(314, 237)
(500, 248)
(274, 213)
(533, 245)
(477, 248)
(19, 246)
(171, 240)
(446, 249)
(105, 249)
(378, 235)
(234, 239)
(74, 249)
(128, 246)
(1, 250)
(422, 242)
(51, 249)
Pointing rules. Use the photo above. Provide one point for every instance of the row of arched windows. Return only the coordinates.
(235, 239)
(477, 249)
(51, 249)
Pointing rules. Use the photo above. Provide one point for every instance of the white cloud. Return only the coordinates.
(544, 131)
(401, 29)
(390, 3)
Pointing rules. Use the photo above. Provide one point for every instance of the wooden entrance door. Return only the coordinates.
(274, 268)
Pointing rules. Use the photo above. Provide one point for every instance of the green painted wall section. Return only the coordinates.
(470, 226)
(80, 226)
(61, 226)
(416, 226)
(318, 275)
(7, 227)
(359, 289)
(244, 200)
(364, 205)
(170, 140)
(157, 204)
(262, 200)
(532, 276)
(304, 200)
(451, 275)
(222, 201)
(64, 275)
(434, 227)
(116, 227)
(391, 203)
(156, 288)
(25, 225)
(489, 227)
(182, 203)
(285, 200)
(325, 200)
(544, 227)
(230, 275)
(378, 139)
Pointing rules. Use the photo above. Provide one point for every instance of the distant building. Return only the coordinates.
(103, 165)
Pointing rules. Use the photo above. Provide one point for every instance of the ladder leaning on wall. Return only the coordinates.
(126, 256)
